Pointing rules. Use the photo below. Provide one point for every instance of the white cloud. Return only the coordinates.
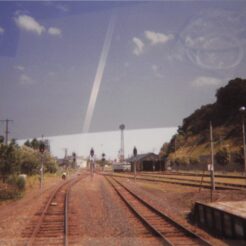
(1, 30)
(20, 68)
(157, 38)
(156, 71)
(29, 24)
(63, 8)
(197, 42)
(26, 80)
(139, 46)
(54, 31)
(205, 81)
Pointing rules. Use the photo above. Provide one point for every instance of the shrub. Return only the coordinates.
(193, 161)
(239, 156)
(21, 183)
(181, 161)
(9, 194)
(17, 182)
(222, 157)
(51, 166)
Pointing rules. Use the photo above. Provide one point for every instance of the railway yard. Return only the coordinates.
(113, 209)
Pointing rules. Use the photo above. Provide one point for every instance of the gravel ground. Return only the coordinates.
(16, 215)
(177, 202)
(99, 217)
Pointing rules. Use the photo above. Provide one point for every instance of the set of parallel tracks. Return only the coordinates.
(206, 184)
(169, 231)
(218, 175)
(184, 182)
(52, 225)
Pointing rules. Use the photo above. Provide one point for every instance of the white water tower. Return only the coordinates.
(122, 154)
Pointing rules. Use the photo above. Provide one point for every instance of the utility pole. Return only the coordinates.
(6, 129)
(135, 153)
(212, 160)
(65, 153)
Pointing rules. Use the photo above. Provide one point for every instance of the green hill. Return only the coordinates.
(193, 139)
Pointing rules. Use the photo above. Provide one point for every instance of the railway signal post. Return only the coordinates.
(92, 162)
(41, 150)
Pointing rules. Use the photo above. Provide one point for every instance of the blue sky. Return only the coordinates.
(164, 60)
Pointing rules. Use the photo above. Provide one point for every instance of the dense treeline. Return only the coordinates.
(224, 111)
(225, 117)
(26, 159)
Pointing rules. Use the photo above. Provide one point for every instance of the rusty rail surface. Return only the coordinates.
(52, 225)
(218, 183)
(183, 182)
(160, 224)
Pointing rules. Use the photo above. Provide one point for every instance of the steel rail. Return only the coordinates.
(41, 218)
(66, 217)
(228, 176)
(69, 182)
(195, 181)
(143, 220)
(165, 240)
(192, 182)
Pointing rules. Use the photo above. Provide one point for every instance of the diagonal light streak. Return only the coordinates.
(98, 76)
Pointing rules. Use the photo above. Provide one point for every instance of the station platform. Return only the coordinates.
(224, 219)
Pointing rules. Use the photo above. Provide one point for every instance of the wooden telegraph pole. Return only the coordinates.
(212, 161)
(6, 129)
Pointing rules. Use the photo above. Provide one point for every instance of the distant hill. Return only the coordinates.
(192, 140)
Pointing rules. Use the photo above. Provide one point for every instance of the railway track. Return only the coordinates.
(206, 174)
(51, 228)
(219, 184)
(180, 181)
(169, 231)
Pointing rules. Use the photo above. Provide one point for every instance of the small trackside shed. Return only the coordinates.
(147, 162)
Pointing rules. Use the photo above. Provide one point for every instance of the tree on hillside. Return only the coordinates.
(231, 97)
(199, 120)
(222, 157)
(239, 156)
(164, 150)
(225, 110)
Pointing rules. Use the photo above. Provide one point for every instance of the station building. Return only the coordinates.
(147, 162)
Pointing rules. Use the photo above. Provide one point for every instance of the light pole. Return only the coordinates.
(242, 110)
